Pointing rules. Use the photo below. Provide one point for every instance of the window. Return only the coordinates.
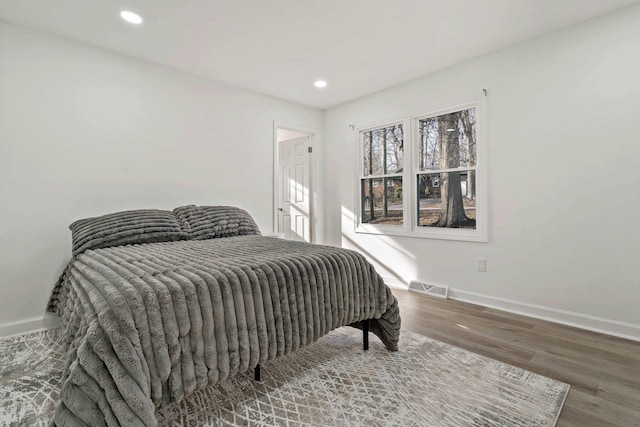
(432, 186)
(447, 170)
(381, 198)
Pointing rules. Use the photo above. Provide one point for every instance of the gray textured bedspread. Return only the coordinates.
(151, 323)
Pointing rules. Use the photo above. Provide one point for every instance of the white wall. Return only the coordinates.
(85, 132)
(564, 236)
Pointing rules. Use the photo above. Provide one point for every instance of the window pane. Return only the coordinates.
(394, 138)
(447, 141)
(383, 150)
(381, 201)
(447, 200)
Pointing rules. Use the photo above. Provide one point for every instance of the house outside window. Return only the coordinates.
(424, 177)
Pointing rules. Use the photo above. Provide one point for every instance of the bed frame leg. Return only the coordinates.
(256, 373)
(365, 334)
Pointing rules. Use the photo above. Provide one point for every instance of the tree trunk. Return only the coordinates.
(452, 215)
(471, 141)
(385, 202)
(371, 193)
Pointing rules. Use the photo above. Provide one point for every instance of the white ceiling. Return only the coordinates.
(279, 47)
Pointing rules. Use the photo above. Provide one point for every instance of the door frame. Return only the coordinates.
(313, 166)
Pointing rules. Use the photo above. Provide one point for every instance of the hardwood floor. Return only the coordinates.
(604, 371)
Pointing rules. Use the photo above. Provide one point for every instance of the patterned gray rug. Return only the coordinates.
(331, 383)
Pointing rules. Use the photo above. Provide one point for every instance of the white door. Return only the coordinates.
(294, 189)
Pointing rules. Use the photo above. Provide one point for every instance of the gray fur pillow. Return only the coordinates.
(125, 228)
(209, 222)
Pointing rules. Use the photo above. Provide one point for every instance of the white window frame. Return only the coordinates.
(410, 227)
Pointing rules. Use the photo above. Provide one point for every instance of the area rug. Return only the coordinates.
(332, 382)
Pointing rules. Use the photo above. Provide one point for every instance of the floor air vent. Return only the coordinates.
(439, 291)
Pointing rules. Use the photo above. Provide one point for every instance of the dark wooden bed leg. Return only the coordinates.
(256, 373)
(365, 334)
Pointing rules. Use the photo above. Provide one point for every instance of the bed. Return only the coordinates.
(157, 304)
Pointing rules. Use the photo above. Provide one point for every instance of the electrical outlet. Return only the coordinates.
(481, 264)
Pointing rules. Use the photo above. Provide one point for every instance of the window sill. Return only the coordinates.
(454, 234)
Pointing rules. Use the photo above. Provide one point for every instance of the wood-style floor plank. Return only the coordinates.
(603, 371)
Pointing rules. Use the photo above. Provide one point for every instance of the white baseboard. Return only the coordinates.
(393, 282)
(616, 328)
(24, 326)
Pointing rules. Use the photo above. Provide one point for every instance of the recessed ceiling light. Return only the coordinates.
(320, 83)
(131, 17)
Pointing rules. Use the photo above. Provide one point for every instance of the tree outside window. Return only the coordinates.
(446, 176)
(381, 195)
